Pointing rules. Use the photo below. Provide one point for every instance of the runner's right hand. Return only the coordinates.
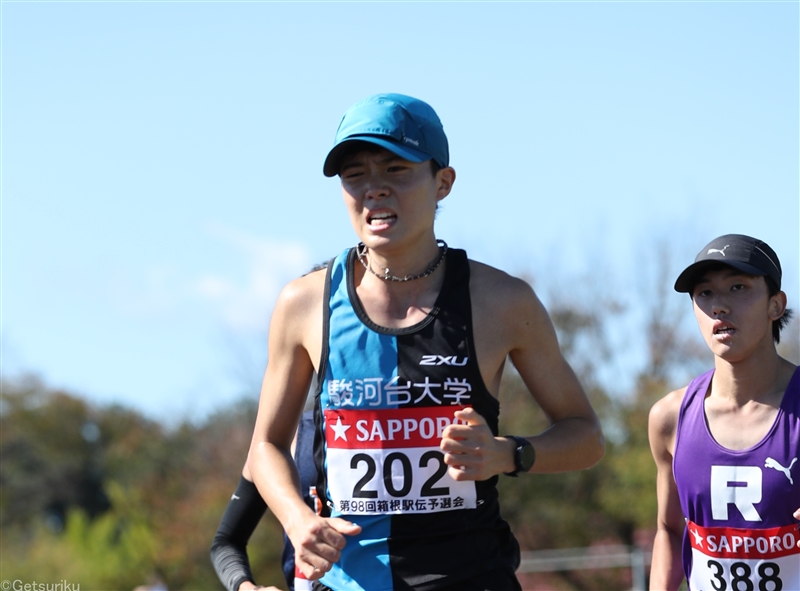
(318, 543)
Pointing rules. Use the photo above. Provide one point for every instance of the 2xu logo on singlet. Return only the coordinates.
(733, 559)
(388, 461)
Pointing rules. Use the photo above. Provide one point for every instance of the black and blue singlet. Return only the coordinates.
(386, 397)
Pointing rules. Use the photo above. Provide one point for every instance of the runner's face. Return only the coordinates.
(392, 201)
(735, 312)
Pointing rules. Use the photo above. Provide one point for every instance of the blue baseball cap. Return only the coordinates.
(402, 124)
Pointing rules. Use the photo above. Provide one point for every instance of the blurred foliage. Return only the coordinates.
(107, 498)
(614, 502)
(111, 500)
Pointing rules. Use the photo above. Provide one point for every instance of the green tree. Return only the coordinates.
(163, 492)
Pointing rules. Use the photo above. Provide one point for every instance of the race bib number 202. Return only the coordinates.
(730, 559)
(388, 461)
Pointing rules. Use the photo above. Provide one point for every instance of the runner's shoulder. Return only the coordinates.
(302, 295)
(507, 300)
(663, 420)
(490, 281)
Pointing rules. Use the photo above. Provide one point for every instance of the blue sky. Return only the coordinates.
(161, 163)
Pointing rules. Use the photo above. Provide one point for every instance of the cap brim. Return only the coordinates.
(333, 162)
(693, 273)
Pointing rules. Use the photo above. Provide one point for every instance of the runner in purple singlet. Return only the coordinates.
(727, 446)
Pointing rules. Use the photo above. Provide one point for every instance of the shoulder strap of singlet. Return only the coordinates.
(319, 451)
(456, 295)
(455, 292)
(303, 456)
(456, 272)
(326, 322)
(694, 395)
(791, 398)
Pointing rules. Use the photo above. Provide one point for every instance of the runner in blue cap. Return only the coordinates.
(409, 339)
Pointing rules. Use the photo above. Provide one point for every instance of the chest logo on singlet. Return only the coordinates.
(443, 360)
(735, 485)
(770, 463)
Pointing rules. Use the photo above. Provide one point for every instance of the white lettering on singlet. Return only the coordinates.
(735, 485)
(443, 360)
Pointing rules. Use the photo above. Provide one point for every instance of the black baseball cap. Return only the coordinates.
(748, 255)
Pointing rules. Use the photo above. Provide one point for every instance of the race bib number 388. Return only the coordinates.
(730, 559)
(383, 461)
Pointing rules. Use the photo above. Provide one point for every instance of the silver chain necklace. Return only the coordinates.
(361, 251)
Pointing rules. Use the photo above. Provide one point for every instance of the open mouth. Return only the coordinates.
(381, 218)
(724, 329)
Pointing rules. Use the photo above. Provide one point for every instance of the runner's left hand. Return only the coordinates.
(472, 452)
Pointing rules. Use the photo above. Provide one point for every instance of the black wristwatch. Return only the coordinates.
(524, 455)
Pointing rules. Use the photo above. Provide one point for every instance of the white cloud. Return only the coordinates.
(244, 304)
(158, 291)
(240, 296)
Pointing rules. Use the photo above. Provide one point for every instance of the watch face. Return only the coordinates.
(527, 456)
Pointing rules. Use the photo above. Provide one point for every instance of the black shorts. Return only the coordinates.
(500, 579)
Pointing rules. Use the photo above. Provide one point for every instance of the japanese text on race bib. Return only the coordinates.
(388, 461)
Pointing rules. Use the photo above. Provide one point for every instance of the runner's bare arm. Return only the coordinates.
(509, 320)
(797, 516)
(294, 341)
(666, 572)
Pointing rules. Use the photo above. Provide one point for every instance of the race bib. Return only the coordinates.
(732, 559)
(388, 461)
(301, 583)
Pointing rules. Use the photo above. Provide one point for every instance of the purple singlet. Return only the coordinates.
(740, 534)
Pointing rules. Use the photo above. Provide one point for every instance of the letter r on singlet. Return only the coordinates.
(735, 485)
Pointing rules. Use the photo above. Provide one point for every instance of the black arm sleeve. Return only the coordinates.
(229, 550)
